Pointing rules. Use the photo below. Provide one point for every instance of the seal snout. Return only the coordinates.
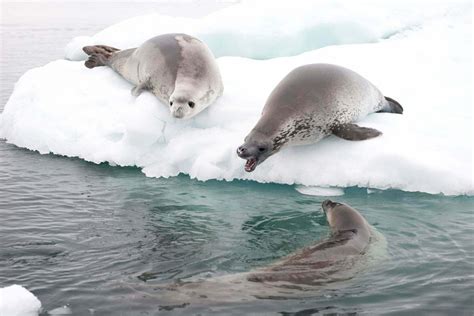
(248, 154)
(242, 152)
(178, 112)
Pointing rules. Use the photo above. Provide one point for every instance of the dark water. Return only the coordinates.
(88, 236)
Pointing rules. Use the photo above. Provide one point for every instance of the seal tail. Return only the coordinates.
(391, 106)
(99, 55)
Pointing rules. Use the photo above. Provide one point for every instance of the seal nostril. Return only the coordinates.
(241, 150)
(171, 103)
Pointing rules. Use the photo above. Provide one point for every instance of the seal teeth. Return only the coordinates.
(250, 164)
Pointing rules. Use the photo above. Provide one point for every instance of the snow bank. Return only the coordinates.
(67, 109)
(15, 300)
(274, 28)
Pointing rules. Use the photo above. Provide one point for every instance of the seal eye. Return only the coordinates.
(191, 104)
(171, 103)
(261, 149)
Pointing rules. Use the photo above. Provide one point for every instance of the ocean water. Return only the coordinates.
(103, 239)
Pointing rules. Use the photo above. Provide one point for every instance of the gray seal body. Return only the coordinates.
(310, 103)
(338, 257)
(326, 260)
(178, 69)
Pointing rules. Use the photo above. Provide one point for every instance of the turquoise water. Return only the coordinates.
(90, 235)
(103, 240)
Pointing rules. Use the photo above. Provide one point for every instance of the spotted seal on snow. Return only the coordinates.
(324, 261)
(310, 103)
(177, 68)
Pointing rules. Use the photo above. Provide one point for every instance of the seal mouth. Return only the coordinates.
(178, 115)
(251, 164)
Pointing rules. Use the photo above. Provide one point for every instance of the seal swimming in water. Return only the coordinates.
(320, 263)
(310, 103)
(177, 68)
(339, 257)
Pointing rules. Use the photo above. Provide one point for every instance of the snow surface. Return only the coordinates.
(67, 109)
(15, 300)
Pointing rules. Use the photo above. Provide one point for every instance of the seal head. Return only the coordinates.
(256, 148)
(345, 220)
(184, 103)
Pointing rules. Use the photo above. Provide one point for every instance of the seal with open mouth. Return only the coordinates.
(310, 103)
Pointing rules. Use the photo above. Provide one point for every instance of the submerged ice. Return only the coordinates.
(67, 109)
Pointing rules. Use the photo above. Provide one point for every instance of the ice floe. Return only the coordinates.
(67, 109)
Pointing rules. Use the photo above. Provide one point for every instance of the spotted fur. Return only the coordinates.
(312, 102)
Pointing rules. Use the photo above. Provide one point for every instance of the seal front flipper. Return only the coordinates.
(136, 91)
(354, 132)
(391, 106)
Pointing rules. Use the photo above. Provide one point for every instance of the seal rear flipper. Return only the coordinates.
(99, 49)
(355, 132)
(95, 61)
(98, 55)
(391, 106)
